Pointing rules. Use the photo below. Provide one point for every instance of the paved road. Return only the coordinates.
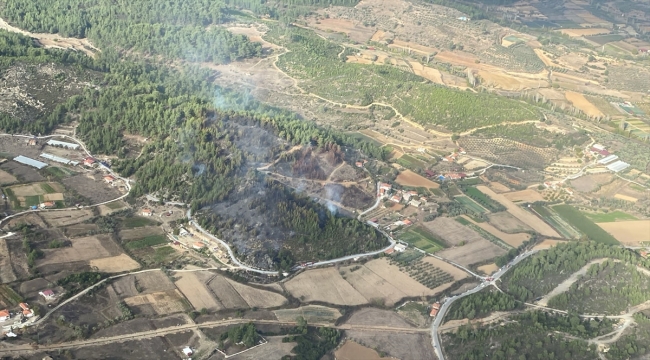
(187, 327)
(435, 338)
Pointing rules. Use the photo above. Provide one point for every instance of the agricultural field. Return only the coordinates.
(521, 214)
(630, 233)
(92, 187)
(23, 173)
(612, 216)
(114, 264)
(559, 224)
(6, 178)
(311, 313)
(421, 238)
(325, 285)
(82, 249)
(603, 105)
(470, 204)
(509, 152)
(196, 292)
(66, 217)
(579, 101)
(507, 223)
(585, 32)
(582, 223)
(469, 247)
(514, 240)
(484, 200)
(528, 195)
(26, 195)
(353, 351)
(410, 162)
(409, 178)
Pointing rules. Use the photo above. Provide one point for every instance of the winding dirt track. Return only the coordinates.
(8, 350)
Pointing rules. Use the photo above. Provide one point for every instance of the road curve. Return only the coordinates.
(435, 337)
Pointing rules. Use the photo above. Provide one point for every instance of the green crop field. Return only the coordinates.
(137, 221)
(410, 162)
(47, 188)
(582, 223)
(484, 200)
(146, 242)
(470, 204)
(421, 239)
(609, 217)
(551, 217)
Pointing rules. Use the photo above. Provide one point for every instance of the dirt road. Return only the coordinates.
(7, 349)
(566, 284)
(54, 40)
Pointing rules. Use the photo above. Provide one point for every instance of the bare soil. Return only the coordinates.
(579, 101)
(589, 183)
(82, 249)
(507, 223)
(196, 292)
(521, 214)
(258, 298)
(354, 351)
(401, 346)
(6, 178)
(224, 292)
(115, 264)
(311, 313)
(472, 253)
(66, 217)
(630, 233)
(161, 303)
(22, 172)
(547, 244)
(488, 269)
(528, 195)
(409, 178)
(139, 233)
(372, 316)
(92, 187)
(324, 285)
(498, 187)
(514, 240)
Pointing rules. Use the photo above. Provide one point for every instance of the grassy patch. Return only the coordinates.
(586, 226)
(421, 239)
(410, 162)
(610, 217)
(470, 204)
(365, 138)
(162, 253)
(12, 198)
(146, 242)
(137, 221)
(32, 200)
(9, 296)
(484, 200)
(57, 172)
(47, 188)
(115, 205)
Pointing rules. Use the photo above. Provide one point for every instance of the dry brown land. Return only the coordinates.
(139, 233)
(355, 32)
(163, 303)
(488, 269)
(629, 232)
(501, 80)
(372, 286)
(452, 232)
(547, 244)
(66, 217)
(521, 214)
(545, 59)
(256, 297)
(498, 187)
(196, 292)
(274, 349)
(472, 253)
(513, 240)
(426, 72)
(54, 40)
(6, 178)
(7, 274)
(400, 280)
(409, 178)
(354, 351)
(626, 197)
(578, 100)
(115, 264)
(82, 249)
(455, 272)
(34, 189)
(507, 223)
(223, 291)
(589, 183)
(528, 195)
(325, 285)
(585, 32)
(401, 346)
(116, 206)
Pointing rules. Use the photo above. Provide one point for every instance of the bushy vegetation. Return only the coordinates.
(532, 135)
(316, 61)
(312, 343)
(77, 282)
(607, 288)
(245, 334)
(531, 335)
(482, 303)
(542, 272)
(635, 344)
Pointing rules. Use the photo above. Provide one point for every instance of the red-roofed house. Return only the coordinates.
(434, 309)
(396, 198)
(24, 306)
(359, 164)
(407, 222)
(4, 315)
(89, 161)
(385, 186)
(47, 205)
(109, 178)
(429, 173)
(147, 212)
(389, 251)
(198, 245)
(47, 294)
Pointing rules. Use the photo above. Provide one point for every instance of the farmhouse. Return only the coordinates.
(63, 144)
(187, 351)
(389, 251)
(183, 232)
(47, 294)
(429, 173)
(31, 162)
(198, 245)
(89, 161)
(358, 164)
(109, 179)
(415, 203)
(27, 312)
(396, 199)
(32, 142)
(147, 212)
(385, 186)
(4, 315)
(434, 309)
(47, 205)
(400, 247)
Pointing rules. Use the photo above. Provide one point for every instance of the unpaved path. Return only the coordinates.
(54, 40)
(566, 284)
(7, 349)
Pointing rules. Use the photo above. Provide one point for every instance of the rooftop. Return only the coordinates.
(31, 162)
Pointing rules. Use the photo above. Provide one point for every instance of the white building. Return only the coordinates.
(400, 247)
